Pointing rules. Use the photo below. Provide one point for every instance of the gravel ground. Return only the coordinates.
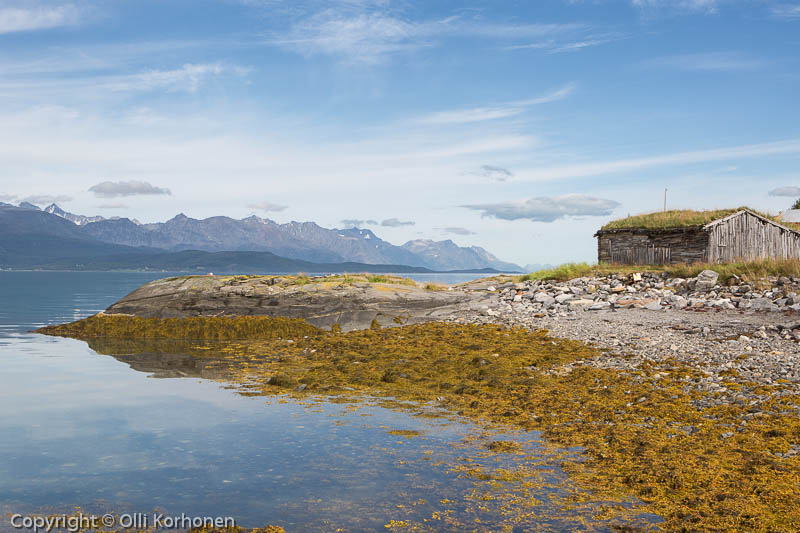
(745, 346)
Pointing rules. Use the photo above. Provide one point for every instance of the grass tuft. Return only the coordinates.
(746, 270)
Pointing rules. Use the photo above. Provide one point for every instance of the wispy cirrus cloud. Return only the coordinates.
(709, 61)
(104, 83)
(359, 38)
(371, 32)
(547, 208)
(702, 6)
(789, 190)
(27, 18)
(568, 43)
(505, 110)
(786, 11)
(598, 168)
(113, 189)
(188, 77)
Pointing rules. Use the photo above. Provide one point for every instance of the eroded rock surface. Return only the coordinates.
(353, 305)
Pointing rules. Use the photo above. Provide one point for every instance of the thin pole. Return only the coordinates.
(665, 199)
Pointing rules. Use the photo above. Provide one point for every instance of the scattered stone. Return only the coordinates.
(706, 280)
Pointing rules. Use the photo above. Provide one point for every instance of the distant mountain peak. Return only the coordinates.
(447, 255)
(28, 205)
(306, 241)
(80, 220)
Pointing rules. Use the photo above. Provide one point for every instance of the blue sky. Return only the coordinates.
(518, 126)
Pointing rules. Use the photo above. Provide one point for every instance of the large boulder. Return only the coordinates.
(706, 280)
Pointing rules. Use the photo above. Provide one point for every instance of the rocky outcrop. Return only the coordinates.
(323, 302)
(647, 290)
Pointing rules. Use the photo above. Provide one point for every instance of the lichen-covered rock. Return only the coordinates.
(322, 302)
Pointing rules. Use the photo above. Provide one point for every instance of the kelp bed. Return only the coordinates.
(644, 437)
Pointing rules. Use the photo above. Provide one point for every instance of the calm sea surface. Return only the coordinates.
(82, 429)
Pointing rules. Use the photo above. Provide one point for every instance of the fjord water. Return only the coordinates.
(82, 429)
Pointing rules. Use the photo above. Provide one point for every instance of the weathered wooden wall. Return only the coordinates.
(746, 237)
(652, 247)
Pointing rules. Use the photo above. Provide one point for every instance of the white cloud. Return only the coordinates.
(787, 11)
(396, 223)
(711, 61)
(267, 206)
(548, 208)
(493, 173)
(112, 205)
(790, 191)
(508, 109)
(352, 223)
(16, 19)
(456, 230)
(112, 189)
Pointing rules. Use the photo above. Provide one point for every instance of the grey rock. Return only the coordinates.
(706, 280)
(763, 304)
(544, 298)
(352, 306)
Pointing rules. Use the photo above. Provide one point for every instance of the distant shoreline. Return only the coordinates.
(201, 272)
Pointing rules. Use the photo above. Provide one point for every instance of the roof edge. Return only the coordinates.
(760, 217)
(674, 229)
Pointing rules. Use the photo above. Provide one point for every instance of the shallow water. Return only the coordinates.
(78, 428)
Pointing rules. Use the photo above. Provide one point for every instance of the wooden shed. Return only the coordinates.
(696, 236)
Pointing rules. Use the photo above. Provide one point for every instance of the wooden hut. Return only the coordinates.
(696, 236)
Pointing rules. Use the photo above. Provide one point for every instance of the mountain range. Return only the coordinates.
(30, 235)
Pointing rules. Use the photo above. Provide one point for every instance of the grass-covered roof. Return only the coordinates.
(678, 218)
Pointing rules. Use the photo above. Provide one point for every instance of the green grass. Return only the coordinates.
(679, 218)
(747, 270)
(561, 272)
